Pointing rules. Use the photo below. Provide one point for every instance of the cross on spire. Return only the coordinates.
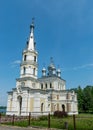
(51, 60)
(31, 42)
(33, 20)
(32, 24)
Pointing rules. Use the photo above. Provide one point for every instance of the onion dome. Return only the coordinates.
(51, 68)
(44, 71)
(58, 72)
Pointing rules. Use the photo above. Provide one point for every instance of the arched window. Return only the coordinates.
(35, 58)
(25, 57)
(20, 104)
(24, 70)
(42, 107)
(41, 86)
(63, 107)
(50, 85)
(34, 71)
(46, 86)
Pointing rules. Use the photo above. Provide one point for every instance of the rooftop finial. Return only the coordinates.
(33, 20)
(51, 60)
(32, 24)
(31, 42)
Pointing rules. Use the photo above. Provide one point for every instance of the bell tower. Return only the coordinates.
(29, 66)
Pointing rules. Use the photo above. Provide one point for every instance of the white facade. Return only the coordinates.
(39, 95)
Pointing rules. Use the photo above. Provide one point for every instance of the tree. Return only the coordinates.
(80, 97)
(88, 99)
(85, 98)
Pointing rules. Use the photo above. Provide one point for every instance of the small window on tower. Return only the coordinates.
(35, 58)
(34, 71)
(25, 57)
(41, 86)
(24, 70)
(50, 85)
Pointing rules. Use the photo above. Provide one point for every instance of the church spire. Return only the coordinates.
(29, 66)
(31, 42)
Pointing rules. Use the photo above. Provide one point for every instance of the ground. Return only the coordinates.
(21, 128)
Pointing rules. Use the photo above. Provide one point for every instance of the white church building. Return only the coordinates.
(39, 95)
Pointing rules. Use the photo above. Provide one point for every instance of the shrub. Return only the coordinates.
(43, 117)
(60, 114)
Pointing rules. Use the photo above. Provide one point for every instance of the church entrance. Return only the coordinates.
(19, 104)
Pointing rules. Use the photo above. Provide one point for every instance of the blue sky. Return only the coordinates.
(63, 30)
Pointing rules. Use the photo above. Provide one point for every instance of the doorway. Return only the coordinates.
(63, 107)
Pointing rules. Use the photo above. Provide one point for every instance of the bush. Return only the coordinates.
(60, 114)
(43, 118)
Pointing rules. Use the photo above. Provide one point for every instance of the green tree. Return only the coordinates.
(85, 98)
(88, 99)
(80, 98)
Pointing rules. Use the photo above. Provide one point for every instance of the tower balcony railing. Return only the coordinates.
(31, 51)
(29, 62)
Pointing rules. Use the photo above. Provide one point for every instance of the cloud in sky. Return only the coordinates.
(86, 66)
(15, 63)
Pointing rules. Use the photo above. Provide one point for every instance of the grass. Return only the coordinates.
(83, 122)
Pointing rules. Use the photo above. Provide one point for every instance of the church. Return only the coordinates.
(39, 95)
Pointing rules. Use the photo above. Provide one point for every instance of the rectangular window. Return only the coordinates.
(35, 58)
(46, 86)
(34, 71)
(24, 70)
(50, 85)
(25, 57)
(41, 86)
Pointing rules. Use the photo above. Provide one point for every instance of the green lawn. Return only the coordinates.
(83, 122)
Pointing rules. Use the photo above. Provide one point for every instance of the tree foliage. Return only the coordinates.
(85, 99)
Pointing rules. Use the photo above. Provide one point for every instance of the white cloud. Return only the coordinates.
(83, 66)
(15, 63)
(86, 66)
